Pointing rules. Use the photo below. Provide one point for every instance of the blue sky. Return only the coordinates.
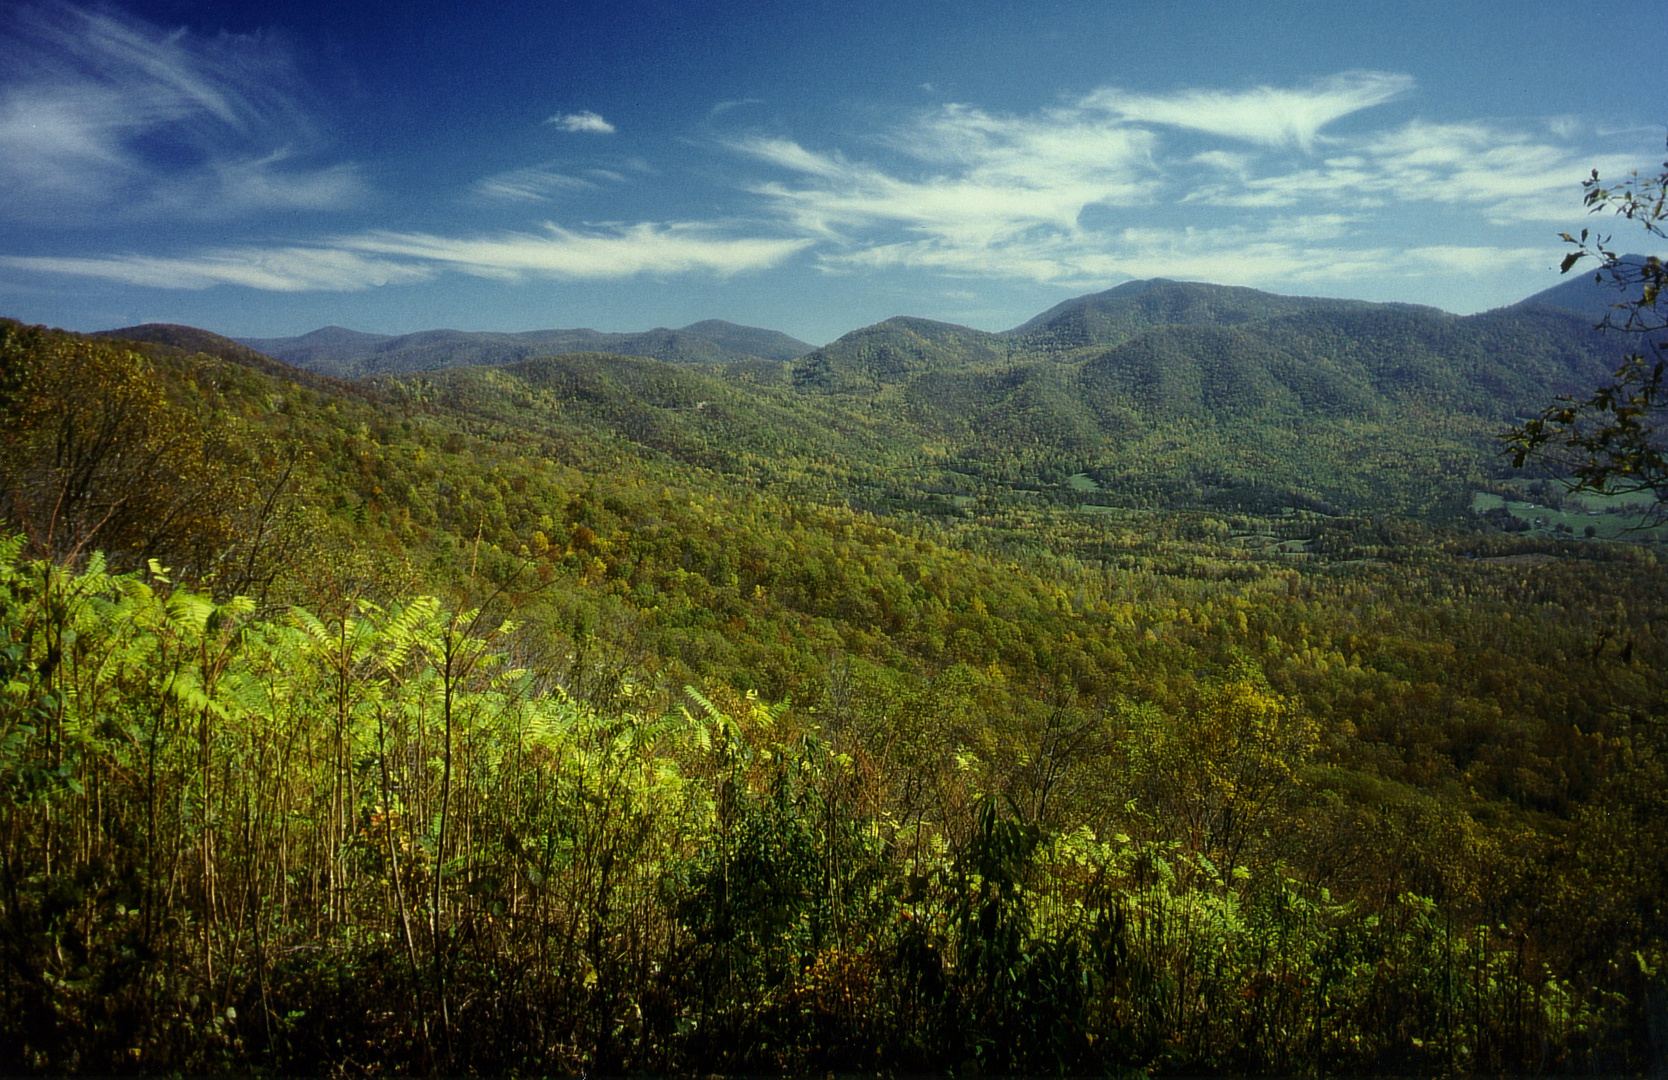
(264, 168)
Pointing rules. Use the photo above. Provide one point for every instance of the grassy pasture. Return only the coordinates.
(1612, 517)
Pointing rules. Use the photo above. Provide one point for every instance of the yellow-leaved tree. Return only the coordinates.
(1212, 777)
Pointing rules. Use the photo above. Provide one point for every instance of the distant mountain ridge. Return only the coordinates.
(894, 351)
(335, 350)
(1120, 364)
(1159, 392)
(1120, 313)
(889, 352)
(1585, 292)
(1234, 346)
(188, 340)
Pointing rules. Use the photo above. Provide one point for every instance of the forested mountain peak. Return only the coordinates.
(750, 340)
(886, 352)
(1120, 313)
(180, 337)
(1585, 292)
(894, 351)
(329, 337)
(190, 340)
(1242, 369)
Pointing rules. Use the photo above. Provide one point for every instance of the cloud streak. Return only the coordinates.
(587, 122)
(372, 259)
(617, 252)
(535, 184)
(978, 180)
(101, 114)
(979, 194)
(1265, 115)
(1302, 253)
(281, 269)
(1506, 176)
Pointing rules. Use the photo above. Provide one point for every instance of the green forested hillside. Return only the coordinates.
(1123, 312)
(175, 342)
(1590, 294)
(892, 352)
(1247, 401)
(1150, 705)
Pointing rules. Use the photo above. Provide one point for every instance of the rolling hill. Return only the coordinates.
(1120, 313)
(891, 352)
(189, 340)
(334, 350)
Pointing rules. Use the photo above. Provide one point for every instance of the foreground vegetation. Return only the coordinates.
(370, 838)
(514, 721)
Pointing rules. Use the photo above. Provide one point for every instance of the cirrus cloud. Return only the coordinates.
(1085, 192)
(105, 115)
(1271, 116)
(613, 252)
(370, 259)
(272, 269)
(106, 118)
(535, 184)
(987, 180)
(586, 121)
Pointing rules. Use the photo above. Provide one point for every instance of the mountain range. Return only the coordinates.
(886, 352)
(889, 350)
(334, 350)
(1153, 393)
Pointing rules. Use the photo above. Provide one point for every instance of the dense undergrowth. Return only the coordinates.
(370, 838)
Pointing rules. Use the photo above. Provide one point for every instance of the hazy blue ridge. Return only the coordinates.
(337, 351)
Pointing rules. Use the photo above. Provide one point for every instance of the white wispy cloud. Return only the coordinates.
(725, 106)
(1471, 260)
(1508, 176)
(104, 114)
(1086, 192)
(280, 269)
(615, 252)
(370, 259)
(1271, 116)
(1003, 195)
(1234, 164)
(979, 194)
(1068, 194)
(534, 184)
(1285, 248)
(586, 121)
(1298, 253)
(979, 179)
(1294, 254)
